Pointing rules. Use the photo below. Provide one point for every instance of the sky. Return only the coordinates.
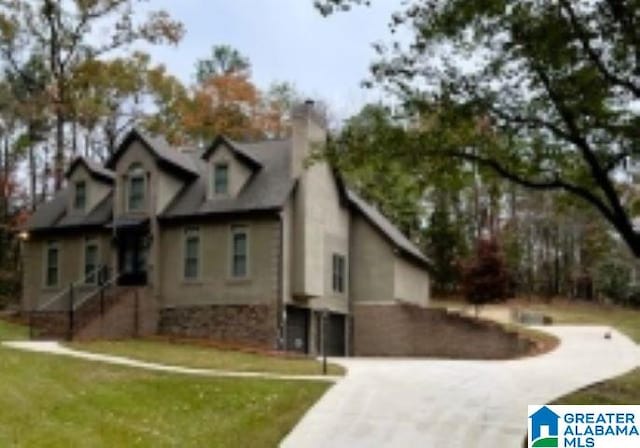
(285, 40)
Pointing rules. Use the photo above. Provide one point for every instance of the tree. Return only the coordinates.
(485, 278)
(63, 34)
(542, 93)
(225, 104)
(444, 246)
(224, 60)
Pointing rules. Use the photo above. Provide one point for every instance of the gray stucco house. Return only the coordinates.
(238, 242)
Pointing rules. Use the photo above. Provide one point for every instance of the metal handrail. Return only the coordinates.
(65, 291)
(100, 288)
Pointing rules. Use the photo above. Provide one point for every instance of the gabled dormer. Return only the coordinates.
(149, 174)
(229, 168)
(89, 185)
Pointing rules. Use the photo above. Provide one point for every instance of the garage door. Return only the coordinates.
(297, 329)
(335, 335)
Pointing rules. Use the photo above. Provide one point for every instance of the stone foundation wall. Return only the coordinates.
(251, 325)
(412, 331)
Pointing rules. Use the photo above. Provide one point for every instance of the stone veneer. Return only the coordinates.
(409, 330)
(252, 325)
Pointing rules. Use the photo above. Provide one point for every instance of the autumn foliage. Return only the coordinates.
(485, 276)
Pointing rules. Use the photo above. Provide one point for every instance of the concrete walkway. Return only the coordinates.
(457, 404)
(54, 348)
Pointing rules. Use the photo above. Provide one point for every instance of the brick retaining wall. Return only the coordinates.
(408, 330)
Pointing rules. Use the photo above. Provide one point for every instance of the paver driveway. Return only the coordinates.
(451, 404)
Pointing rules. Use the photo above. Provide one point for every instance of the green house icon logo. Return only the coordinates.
(544, 428)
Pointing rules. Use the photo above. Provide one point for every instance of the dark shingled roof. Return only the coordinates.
(53, 214)
(268, 189)
(96, 170)
(386, 227)
(165, 154)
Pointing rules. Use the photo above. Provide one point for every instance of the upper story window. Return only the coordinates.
(80, 195)
(239, 252)
(51, 262)
(221, 178)
(191, 254)
(136, 188)
(339, 271)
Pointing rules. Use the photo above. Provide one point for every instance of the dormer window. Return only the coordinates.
(136, 188)
(221, 178)
(80, 198)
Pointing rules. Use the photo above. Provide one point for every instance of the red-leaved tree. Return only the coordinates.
(485, 276)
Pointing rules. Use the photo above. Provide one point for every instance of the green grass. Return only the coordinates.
(12, 332)
(189, 355)
(624, 319)
(52, 402)
(624, 389)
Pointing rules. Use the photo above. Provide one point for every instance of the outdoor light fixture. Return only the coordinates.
(23, 235)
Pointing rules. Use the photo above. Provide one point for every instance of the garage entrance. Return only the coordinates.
(297, 329)
(334, 334)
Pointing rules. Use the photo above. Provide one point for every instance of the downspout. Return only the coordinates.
(280, 328)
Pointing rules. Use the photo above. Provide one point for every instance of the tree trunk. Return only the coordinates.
(33, 175)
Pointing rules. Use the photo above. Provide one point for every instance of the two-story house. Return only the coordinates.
(239, 242)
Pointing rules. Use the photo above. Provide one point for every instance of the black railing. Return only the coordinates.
(55, 313)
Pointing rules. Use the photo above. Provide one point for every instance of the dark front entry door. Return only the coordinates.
(132, 259)
(297, 329)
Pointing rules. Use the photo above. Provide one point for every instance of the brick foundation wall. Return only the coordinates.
(133, 314)
(128, 312)
(251, 325)
(412, 331)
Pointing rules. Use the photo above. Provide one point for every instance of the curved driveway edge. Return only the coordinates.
(457, 404)
(54, 348)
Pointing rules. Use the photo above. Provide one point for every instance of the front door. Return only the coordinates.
(132, 259)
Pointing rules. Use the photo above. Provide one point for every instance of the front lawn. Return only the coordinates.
(202, 357)
(625, 320)
(48, 401)
(624, 389)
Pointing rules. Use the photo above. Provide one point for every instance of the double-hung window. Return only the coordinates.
(221, 178)
(80, 198)
(191, 254)
(52, 269)
(239, 252)
(339, 270)
(136, 183)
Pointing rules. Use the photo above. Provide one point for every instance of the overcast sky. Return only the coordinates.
(286, 40)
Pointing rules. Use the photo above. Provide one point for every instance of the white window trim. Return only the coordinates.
(87, 242)
(45, 265)
(233, 230)
(185, 234)
(127, 190)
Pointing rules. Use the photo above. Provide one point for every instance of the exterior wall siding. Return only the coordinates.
(411, 283)
(372, 264)
(215, 285)
(70, 265)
